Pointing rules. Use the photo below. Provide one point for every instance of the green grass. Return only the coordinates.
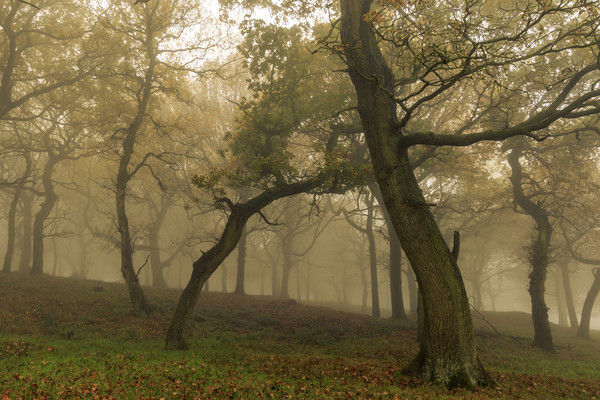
(60, 339)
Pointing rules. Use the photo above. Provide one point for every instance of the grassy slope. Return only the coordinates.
(61, 339)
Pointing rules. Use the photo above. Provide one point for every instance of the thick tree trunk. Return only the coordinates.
(588, 304)
(566, 280)
(413, 289)
(24, 262)
(538, 257)
(241, 263)
(447, 352)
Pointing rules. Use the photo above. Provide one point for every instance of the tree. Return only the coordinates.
(280, 127)
(437, 53)
(12, 212)
(146, 68)
(539, 252)
(29, 38)
(368, 231)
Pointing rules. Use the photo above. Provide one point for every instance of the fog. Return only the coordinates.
(142, 143)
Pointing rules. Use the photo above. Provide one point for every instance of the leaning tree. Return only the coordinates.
(403, 57)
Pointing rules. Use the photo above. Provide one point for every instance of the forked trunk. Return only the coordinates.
(447, 352)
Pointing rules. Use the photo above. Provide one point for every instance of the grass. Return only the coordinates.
(62, 339)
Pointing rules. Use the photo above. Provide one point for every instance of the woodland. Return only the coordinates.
(426, 162)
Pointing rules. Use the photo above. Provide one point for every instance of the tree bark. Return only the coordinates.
(241, 263)
(447, 352)
(538, 257)
(588, 304)
(413, 290)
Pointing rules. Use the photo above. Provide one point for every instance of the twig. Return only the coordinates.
(264, 218)
(29, 4)
(514, 339)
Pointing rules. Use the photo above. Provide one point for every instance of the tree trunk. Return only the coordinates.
(588, 304)
(398, 311)
(27, 242)
(11, 234)
(560, 302)
(141, 308)
(447, 352)
(372, 258)
(208, 263)
(287, 266)
(42, 215)
(157, 265)
(566, 280)
(538, 257)
(224, 279)
(365, 287)
(413, 290)
(275, 284)
(241, 263)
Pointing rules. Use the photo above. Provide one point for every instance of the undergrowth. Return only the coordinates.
(60, 339)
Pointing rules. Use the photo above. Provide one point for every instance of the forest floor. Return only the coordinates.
(63, 338)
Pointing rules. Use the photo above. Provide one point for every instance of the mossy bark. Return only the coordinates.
(447, 352)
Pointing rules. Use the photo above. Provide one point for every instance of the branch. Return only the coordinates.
(29, 4)
(143, 265)
(537, 122)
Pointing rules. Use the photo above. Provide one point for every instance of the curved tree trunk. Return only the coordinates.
(241, 263)
(447, 352)
(42, 215)
(538, 255)
(208, 263)
(588, 304)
